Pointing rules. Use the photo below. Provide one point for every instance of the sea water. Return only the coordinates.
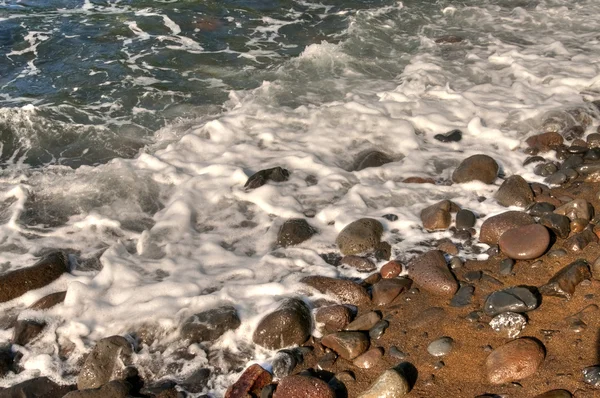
(128, 129)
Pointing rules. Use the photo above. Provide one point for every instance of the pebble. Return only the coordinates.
(358, 263)
(463, 297)
(557, 178)
(473, 276)
(536, 242)
(378, 329)
(386, 290)
(364, 322)
(261, 177)
(370, 158)
(37, 387)
(369, 359)
(477, 167)
(327, 361)
(391, 384)
(540, 208)
(450, 136)
(557, 253)
(390, 217)
(448, 247)
(346, 291)
(559, 224)
(508, 324)
(555, 394)
(514, 191)
(577, 208)
(360, 236)
(545, 169)
(396, 353)
(391, 269)
(284, 363)
(334, 318)
(348, 345)
(465, 219)
(105, 362)
(210, 325)
(580, 241)
(591, 375)
(437, 216)
(564, 282)
(514, 299)
(432, 274)
(440, 347)
(290, 324)
(456, 263)
(294, 231)
(493, 228)
(533, 159)
(515, 360)
(298, 386)
(49, 301)
(506, 266)
(546, 141)
(27, 330)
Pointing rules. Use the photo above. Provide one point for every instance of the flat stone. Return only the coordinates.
(386, 290)
(440, 347)
(378, 329)
(477, 167)
(364, 322)
(49, 268)
(369, 359)
(27, 330)
(360, 236)
(360, 264)
(580, 241)
(450, 136)
(298, 386)
(541, 208)
(294, 231)
(591, 375)
(49, 301)
(465, 219)
(112, 389)
(346, 291)
(515, 191)
(559, 224)
(514, 299)
(555, 394)
(290, 324)
(564, 282)
(38, 387)
(545, 142)
(430, 272)
(494, 227)
(370, 158)
(463, 296)
(514, 361)
(437, 216)
(348, 345)
(250, 383)
(391, 269)
(526, 242)
(577, 208)
(391, 384)
(508, 324)
(210, 325)
(106, 362)
(506, 266)
(260, 178)
(334, 318)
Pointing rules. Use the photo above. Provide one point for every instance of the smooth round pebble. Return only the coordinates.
(525, 242)
(441, 346)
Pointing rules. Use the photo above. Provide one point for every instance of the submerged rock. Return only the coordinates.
(260, 178)
(38, 387)
(210, 325)
(360, 264)
(294, 231)
(346, 291)
(49, 301)
(113, 389)
(105, 362)
(333, 318)
(289, 325)
(27, 330)
(477, 167)
(370, 159)
(453, 135)
(360, 236)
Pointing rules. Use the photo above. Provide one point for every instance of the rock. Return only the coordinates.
(437, 216)
(463, 296)
(564, 282)
(364, 322)
(386, 290)
(360, 236)
(327, 361)
(284, 363)
(210, 325)
(591, 375)
(334, 318)
(360, 264)
(289, 325)
(540, 209)
(369, 359)
(370, 159)
(525, 242)
(298, 386)
(113, 389)
(515, 191)
(160, 389)
(250, 383)
(260, 178)
(506, 266)
(508, 324)
(477, 167)
(555, 394)
(465, 219)
(6, 360)
(378, 329)
(346, 291)
(493, 228)
(418, 180)
(545, 142)
(450, 136)
(391, 384)
(197, 381)
(391, 270)
(514, 299)
(580, 241)
(515, 360)
(578, 208)
(27, 330)
(432, 274)
(106, 362)
(560, 225)
(390, 217)
(40, 387)
(578, 225)
(16, 283)
(448, 247)
(449, 39)
(49, 301)
(348, 345)
(440, 347)
(294, 231)
(596, 269)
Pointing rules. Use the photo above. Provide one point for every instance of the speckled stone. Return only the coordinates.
(332, 318)
(493, 228)
(437, 216)
(298, 386)
(508, 324)
(578, 208)
(391, 384)
(370, 158)
(346, 291)
(525, 242)
(360, 264)
(465, 219)
(294, 231)
(348, 345)
(386, 290)
(477, 167)
(290, 324)
(364, 322)
(391, 269)
(360, 236)
(431, 273)
(516, 360)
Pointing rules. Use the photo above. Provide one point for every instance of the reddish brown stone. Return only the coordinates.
(49, 301)
(493, 228)
(448, 247)
(430, 272)
(386, 290)
(348, 345)
(250, 383)
(545, 142)
(346, 291)
(516, 360)
(334, 318)
(418, 180)
(368, 359)
(298, 386)
(391, 270)
(525, 242)
(437, 216)
(476, 168)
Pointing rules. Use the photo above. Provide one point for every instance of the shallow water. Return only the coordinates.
(129, 129)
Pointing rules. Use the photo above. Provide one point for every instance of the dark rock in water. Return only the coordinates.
(580, 241)
(358, 263)
(298, 386)
(516, 360)
(386, 290)
(46, 270)
(41, 387)
(526, 242)
(160, 389)
(449, 39)
(557, 178)
(364, 322)
(541, 208)
(334, 318)
(371, 159)
(27, 330)
(572, 162)
(294, 231)
(289, 325)
(197, 381)
(210, 325)
(346, 291)
(267, 391)
(6, 360)
(560, 225)
(430, 272)
(506, 266)
(477, 167)
(105, 363)
(437, 216)
(250, 383)
(49, 301)
(450, 136)
(545, 169)
(284, 363)
(260, 178)
(533, 159)
(514, 191)
(383, 251)
(465, 219)
(360, 236)
(545, 142)
(564, 282)
(113, 389)
(348, 345)
(514, 299)
(390, 217)
(555, 394)
(493, 228)
(391, 384)
(591, 375)
(463, 297)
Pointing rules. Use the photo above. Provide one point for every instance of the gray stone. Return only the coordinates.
(210, 325)
(591, 375)
(437, 216)
(391, 384)
(506, 266)
(284, 363)
(541, 208)
(360, 264)
(386, 290)
(294, 231)
(465, 219)
(260, 178)
(514, 299)
(440, 347)
(371, 158)
(378, 329)
(463, 297)
(477, 167)
(360, 236)
(289, 325)
(559, 224)
(514, 191)
(106, 362)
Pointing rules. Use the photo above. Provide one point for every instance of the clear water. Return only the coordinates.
(129, 128)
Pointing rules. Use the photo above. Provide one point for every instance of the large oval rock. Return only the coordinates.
(432, 274)
(105, 362)
(391, 384)
(346, 291)
(46, 270)
(477, 167)
(348, 345)
(514, 191)
(525, 242)
(298, 386)
(289, 325)
(493, 228)
(514, 299)
(210, 325)
(360, 236)
(294, 231)
(516, 360)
